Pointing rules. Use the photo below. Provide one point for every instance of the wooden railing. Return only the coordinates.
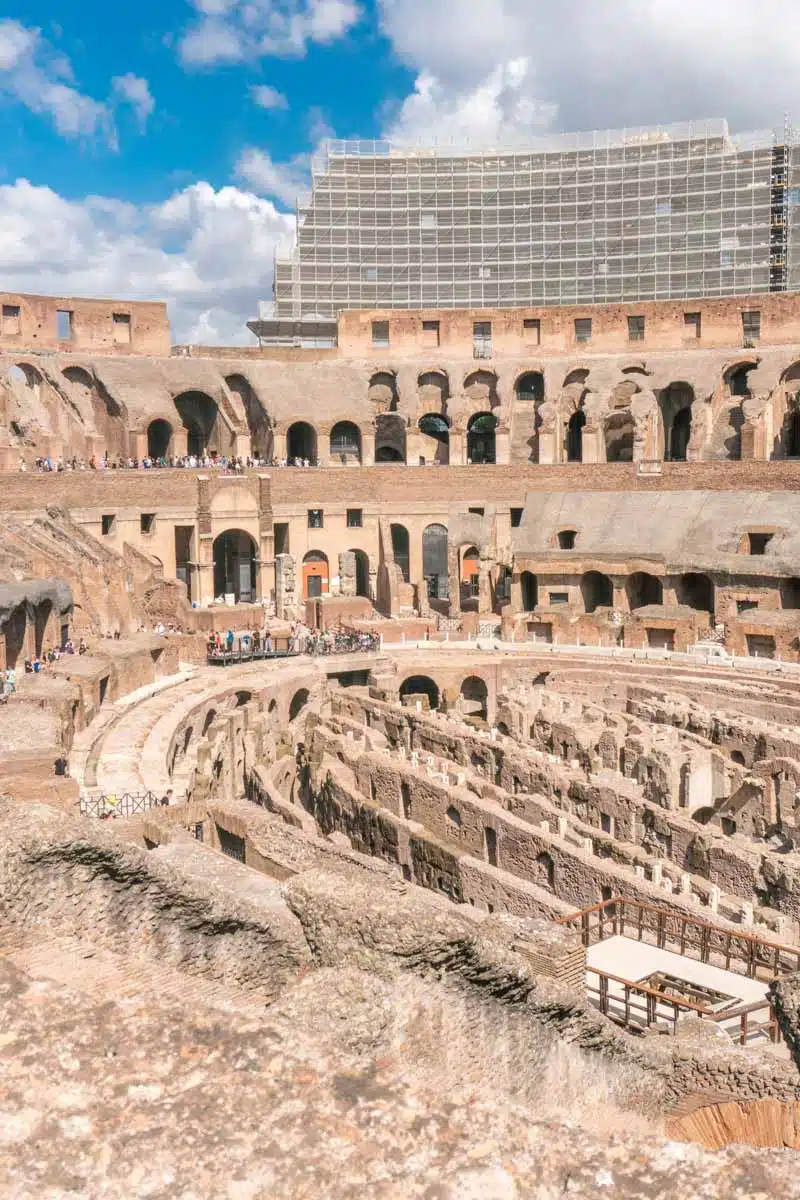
(690, 936)
(631, 999)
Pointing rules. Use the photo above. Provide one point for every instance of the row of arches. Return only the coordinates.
(695, 590)
(473, 691)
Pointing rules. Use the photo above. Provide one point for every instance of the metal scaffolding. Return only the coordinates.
(677, 211)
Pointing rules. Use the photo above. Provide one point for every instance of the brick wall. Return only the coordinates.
(29, 323)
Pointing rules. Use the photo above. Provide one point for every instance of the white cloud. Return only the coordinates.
(268, 97)
(606, 64)
(133, 90)
(31, 73)
(208, 253)
(236, 30)
(284, 180)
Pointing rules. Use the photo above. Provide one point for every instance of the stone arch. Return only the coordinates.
(597, 591)
(159, 439)
(298, 702)
(209, 720)
(697, 591)
(401, 550)
(301, 442)
(345, 442)
(736, 377)
(475, 697)
(675, 404)
(382, 391)
(574, 438)
(390, 438)
(619, 435)
(205, 431)
(258, 422)
(578, 375)
(421, 685)
(529, 388)
(433, 388)
(643, 589)
(234, 555)
(435, 431)
(316, 574)
(435, 561)
(529, 585)
(109, 417)
(481, 438)
(480, 389)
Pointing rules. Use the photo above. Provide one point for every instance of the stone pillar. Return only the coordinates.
(324, 445)
(347, 573)
(286, 597)
(454, 575)
(279, 445)
(180, 442)
(484, 588)
(502, 444)
(204, 575)
(265, 577)
(368, 448)
(458, 446)
(620, 596)
(241, 445)
(413, 446)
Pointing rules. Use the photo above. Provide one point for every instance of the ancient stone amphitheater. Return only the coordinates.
(494, 894)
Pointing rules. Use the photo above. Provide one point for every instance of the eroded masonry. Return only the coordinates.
(400, 774)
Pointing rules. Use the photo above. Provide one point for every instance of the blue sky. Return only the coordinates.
(159, 155)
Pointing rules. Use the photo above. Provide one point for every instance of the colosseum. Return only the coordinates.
(400, 765)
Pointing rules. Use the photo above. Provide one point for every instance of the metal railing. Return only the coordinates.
(121, 804)
(686, 935)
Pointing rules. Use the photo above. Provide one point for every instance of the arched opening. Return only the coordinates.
(675, 403)
(434, 562)
(301, 442)
(619, 431)
(243, 698)
(575, 435)
(530, 388)
(159, 439)
(475, 698)
(382, 391)
(544, 871)
(362, 573)
(390, 438)
(315, 574)
(420, 686)
(738, 381)
(400, 550)
(530, 591)
(481, 438)
(210, 718)
(345, 443)
(566, 539)
(235, 566)
(436, 429)
(791, 433)
(92, 397)
(469, 578)
(299, 701)
(696, 591)
(597, 591)
(258, 422)
(643, 589)
(579, 375)
(738, 758)
(14, 633)
(480, 388)
(200, 418)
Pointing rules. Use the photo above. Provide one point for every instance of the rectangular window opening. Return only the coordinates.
(146, 522)
(583, 329)
(635, 329)
(380, 333)
(516, 517)
(751, 327)
(107, 524)
(63, 324)
(122, 328)
(430, 333)
(281, 530)
(532, 329)
(758, 542)
(11, 320)
(355, 518)
(482, 339)
(315, 518)
(692, 323)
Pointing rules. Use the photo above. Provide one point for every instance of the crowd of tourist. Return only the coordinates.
(234, 464)
(37, 664)
(299, 640)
